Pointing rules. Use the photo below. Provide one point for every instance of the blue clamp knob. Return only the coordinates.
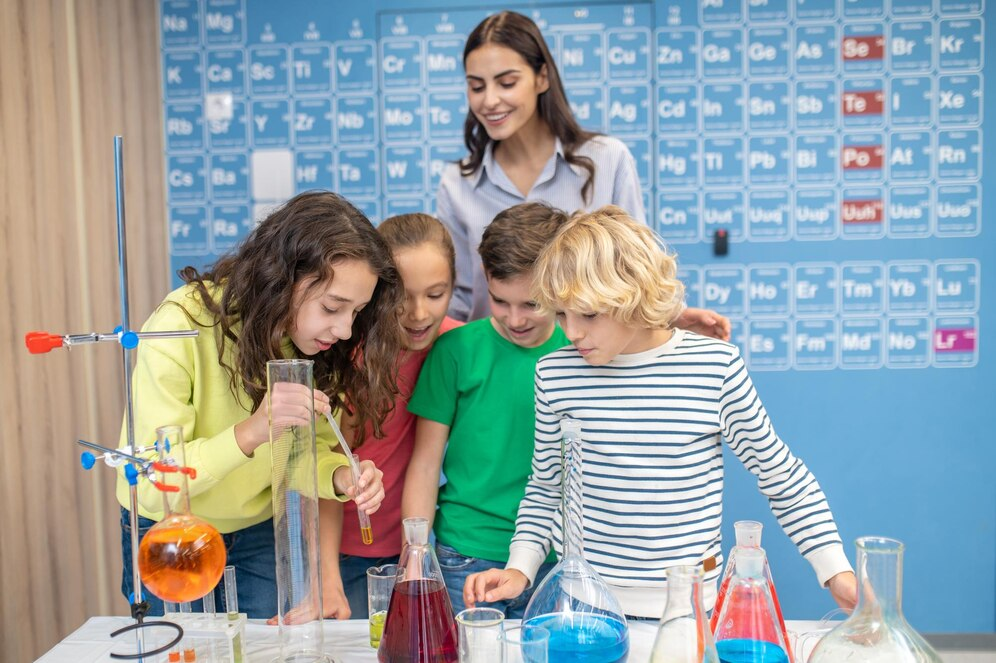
(87, 460)
(131, 474)
(129, 340)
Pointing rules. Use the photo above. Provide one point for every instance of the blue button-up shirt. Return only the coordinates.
(466, 205)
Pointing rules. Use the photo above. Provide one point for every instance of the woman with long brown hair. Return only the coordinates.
(525, 145)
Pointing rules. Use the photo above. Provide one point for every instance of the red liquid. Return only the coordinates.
(765, 633)
(420, 626)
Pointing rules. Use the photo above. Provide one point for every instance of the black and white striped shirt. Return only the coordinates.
(653, 424)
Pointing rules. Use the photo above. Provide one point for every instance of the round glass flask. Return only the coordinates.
(877, 631)
(585, 621)
(182, 557)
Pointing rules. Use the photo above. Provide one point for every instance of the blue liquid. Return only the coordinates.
(750, 651)
(584, 638)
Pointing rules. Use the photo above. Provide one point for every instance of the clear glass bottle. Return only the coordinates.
(420, 627)
(748, 535)
(181, 558)
(683, 635)
(747, 629)
(294, 484)
(877, 631)
(573, 603)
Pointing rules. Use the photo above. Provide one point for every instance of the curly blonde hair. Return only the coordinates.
(606, 262)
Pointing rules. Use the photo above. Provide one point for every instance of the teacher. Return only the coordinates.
(526, 145)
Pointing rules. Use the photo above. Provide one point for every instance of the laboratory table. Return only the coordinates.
(346, 641)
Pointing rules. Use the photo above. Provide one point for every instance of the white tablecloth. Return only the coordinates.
(346, 642)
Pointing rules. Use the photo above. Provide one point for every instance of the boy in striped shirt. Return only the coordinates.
(655, 404)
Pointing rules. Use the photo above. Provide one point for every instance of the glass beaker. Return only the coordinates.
(420, 627)
(295, 522)
(573, 603)
(380, 584)
(876, 631)
(525, 644)
(747, 628)
(683, 635)
(748, 533)
(181, 558)
(480, 632)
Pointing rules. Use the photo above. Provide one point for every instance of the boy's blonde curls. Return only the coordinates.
(606, 262)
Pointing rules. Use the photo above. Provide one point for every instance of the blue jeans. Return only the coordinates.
(353, 570)
(457, 567)
(251, 551)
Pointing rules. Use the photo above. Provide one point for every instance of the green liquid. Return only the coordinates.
(237, 640)
(377, 627)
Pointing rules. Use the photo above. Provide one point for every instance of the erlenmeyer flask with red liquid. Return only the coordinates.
(747, 628)
(182, 557)
(420, 627)
(748, 534)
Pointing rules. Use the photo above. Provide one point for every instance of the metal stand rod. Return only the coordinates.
(138, 605)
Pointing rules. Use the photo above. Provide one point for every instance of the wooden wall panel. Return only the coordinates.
(72, 75)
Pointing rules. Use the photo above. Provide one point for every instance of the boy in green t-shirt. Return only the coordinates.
(476, 392)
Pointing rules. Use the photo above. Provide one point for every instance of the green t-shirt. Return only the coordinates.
(481, 386)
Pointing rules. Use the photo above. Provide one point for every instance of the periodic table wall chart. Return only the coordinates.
(837, 144)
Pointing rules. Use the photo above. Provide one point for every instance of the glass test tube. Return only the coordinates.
(232, 609)
(366, 531)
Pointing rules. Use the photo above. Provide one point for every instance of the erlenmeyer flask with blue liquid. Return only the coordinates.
(584, 619)
(747, 629)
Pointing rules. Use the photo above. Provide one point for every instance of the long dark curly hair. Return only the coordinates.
(522, 35)
(306, 238)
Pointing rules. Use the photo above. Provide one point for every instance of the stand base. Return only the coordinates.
(152, 652)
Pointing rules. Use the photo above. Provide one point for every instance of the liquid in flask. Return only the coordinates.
(747, 629)
(181, 558)
(748, 533)
(585, 621)
(419, 627)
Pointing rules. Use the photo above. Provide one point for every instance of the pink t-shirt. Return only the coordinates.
(391, 454)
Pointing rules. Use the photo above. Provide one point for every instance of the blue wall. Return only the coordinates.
(839, 143)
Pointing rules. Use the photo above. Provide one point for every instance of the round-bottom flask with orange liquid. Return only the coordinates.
(182, 557)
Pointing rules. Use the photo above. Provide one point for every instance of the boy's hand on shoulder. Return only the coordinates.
(844, 590)
(493, 585)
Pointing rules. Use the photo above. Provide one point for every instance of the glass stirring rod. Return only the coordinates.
(366, 531)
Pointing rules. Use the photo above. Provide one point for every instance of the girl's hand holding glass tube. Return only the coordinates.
(371, 490)
(288, 405)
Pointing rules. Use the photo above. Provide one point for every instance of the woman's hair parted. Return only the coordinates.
(606, 262)
(409, 230)
(513, 241)
(305, 240)
(519, 33)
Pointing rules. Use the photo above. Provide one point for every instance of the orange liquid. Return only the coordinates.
(181, 558)
(367, 534)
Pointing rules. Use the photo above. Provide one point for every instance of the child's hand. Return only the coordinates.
(705, 322)
(371, 492)
(844, 590)
(288, 405)
(493, 585)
